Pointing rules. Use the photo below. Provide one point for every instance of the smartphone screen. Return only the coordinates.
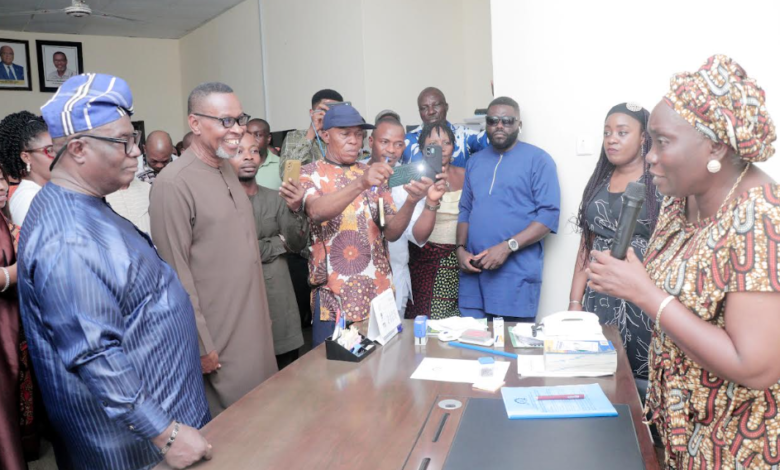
(433, 157)
(292, 170)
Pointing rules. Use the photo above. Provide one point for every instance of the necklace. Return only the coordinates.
(728, 196)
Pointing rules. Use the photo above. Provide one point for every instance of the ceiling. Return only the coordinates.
(164, 19)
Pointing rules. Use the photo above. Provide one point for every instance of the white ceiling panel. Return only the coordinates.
(164, 19)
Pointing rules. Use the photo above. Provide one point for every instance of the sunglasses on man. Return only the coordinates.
(505, 120)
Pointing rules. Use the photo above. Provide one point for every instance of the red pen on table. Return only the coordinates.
(576, 396)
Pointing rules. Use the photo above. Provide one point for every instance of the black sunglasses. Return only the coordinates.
(505, 120)
(228, 122)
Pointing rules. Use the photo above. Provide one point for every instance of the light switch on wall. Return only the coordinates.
(584, 146)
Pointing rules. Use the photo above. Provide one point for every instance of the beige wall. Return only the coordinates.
(150, 66)
(301, 58)
(371, 54)
(226, 49)
(567, 73)
(370, 51)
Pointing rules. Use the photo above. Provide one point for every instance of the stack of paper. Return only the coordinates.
(565, 401)
(571, 355)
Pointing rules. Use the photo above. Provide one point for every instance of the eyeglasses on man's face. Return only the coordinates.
(129, 142)
(505, 120)
(228, 122)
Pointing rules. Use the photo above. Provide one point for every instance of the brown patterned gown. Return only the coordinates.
(705, 421)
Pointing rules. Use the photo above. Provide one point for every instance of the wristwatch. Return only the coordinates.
(432, 208)
(513, 245)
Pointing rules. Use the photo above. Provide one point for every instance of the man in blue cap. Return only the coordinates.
(110, 328)
(349, 264)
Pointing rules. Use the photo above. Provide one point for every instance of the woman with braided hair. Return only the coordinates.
(622, 160)
(711, 275)
(25, 155)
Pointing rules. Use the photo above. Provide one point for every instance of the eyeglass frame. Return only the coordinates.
(47, 150)
(116, 140)
(235, 120)
(502, 120)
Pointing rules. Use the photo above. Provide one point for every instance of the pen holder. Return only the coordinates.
(336, 352)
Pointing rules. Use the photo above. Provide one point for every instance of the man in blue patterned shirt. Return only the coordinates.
(433, 108)
(110, 328)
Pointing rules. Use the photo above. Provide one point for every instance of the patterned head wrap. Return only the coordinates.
(723, 103)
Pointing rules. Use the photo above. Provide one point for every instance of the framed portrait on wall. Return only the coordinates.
(57, 62)
(15, 65)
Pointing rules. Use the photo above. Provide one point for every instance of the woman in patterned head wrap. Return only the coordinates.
(711, 280)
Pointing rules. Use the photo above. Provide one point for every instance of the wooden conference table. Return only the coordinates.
(321, 414)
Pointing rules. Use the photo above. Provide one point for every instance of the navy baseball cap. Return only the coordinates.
(344, 116)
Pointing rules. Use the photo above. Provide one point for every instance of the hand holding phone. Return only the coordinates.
(292, 171)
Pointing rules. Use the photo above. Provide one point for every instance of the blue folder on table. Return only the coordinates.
(523, 402)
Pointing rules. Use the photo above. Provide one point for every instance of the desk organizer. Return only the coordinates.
(336, 352)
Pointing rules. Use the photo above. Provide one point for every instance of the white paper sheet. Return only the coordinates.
(533, 366)
(456, 370)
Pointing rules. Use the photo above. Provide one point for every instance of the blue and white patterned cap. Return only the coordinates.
(85, 102)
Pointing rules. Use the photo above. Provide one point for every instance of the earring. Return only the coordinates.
(713, 166)
(28, 168)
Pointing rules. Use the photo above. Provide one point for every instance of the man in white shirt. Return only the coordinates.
(387, 145)
(132, 203)
(62, 72)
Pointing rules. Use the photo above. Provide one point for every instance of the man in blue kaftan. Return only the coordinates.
(510, 202)
(110, 329)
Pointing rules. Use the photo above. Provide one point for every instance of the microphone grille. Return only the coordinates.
(635, 191)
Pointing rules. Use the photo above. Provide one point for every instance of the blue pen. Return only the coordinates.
(481, 349)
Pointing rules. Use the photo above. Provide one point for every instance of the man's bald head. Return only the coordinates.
(432, 91)
(186, 141)
(7, 55)
(159, 148)
(432, 105)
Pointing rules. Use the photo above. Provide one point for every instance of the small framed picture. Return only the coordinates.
(15, 65)
(57, 62)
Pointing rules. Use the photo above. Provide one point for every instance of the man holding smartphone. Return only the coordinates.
(345, 201)
(306, 145)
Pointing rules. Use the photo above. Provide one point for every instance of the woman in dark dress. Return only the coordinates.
(622, 160)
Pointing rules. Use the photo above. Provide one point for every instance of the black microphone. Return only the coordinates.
(633, 198)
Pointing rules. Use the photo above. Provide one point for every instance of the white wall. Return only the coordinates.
(226, 49)
(150, 66)
(568, 62)
(370, 51)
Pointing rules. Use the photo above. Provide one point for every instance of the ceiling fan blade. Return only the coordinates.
(31, 12)
(100, 14)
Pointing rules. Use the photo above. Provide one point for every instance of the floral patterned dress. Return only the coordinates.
(706, 421)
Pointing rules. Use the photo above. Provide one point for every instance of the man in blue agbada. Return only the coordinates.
(510, 202)
(110, 328)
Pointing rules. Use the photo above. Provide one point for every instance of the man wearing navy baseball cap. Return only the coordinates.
(110, 328)
(352, 215)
